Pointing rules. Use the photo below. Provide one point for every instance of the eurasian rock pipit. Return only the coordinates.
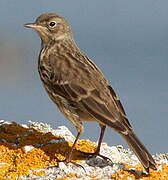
(78, 87)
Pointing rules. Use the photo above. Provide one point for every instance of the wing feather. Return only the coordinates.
(86, 86)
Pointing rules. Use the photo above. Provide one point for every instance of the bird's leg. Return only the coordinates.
(68, 159)
(103, 128)
(97, 152)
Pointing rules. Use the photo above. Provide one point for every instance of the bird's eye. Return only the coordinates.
(52, 24)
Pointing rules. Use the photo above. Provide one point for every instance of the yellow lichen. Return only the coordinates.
(38, 173)
(157, 175)
(16, 161)
(71, 175)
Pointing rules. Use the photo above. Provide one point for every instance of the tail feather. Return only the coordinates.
(140, 151)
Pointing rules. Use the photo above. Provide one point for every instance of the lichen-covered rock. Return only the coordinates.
(31, 152)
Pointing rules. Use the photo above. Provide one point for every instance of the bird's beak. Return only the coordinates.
(32, 25)
(40, 29)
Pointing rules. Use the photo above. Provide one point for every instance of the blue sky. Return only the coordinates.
(127, 39)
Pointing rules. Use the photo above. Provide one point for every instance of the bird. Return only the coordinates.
(78, 87)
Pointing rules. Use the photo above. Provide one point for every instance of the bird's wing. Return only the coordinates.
(82, 82)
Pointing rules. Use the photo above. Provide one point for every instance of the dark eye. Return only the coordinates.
(52, 24)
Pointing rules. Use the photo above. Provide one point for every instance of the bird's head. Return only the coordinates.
(51, 26)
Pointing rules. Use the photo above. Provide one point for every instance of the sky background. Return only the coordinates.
(127, 39)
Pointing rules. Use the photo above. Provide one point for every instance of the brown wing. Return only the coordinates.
(83, 83)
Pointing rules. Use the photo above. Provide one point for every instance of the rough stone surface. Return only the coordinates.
(94, 168)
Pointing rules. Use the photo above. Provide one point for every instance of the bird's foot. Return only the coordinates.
(69, 160)
(95, 154)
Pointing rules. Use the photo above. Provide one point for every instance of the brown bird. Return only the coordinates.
(78, 87)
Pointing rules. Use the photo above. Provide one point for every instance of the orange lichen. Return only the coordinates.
(17, 162)
(157, 175)
(71, 175)
(15, 133)
(86, 146)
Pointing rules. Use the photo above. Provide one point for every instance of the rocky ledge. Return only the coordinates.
(31, 152)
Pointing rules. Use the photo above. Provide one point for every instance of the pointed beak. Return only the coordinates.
(31, 25)
(40, 29)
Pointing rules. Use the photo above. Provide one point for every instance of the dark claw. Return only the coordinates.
(66, 161)
(92, 155)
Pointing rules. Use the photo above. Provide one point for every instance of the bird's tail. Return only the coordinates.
(140, 151)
